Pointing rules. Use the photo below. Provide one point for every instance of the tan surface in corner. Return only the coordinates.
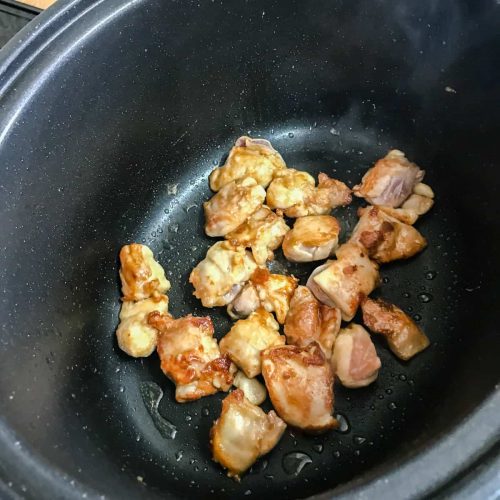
(41, 4)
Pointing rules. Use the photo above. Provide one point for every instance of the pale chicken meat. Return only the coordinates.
(243, 433)
(316, 289)
(355, 361)
(404, 337)
(140, 274)
(262, 232)
(314, 237)
(390, 181)
(134, 335)
(245, 303)
(255, 158)
(348, 279)
(232, 205)
(190, 356)
(299, 381)
(295, 193)
(417, 204)
(248, 338)
(254, 391)
(386, 238)
(309, 320)
(219, 277)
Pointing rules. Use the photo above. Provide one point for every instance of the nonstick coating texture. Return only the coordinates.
(108, 137)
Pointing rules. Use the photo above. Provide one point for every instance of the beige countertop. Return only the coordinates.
(41, 4)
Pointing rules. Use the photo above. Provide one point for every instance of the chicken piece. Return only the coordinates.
(262, 232)
(355, 361)
(248, 337)
(274, 291)
(386, 238)
(243, 433)
(245, 303)
(314, 237)
(404, 337)
(254, 391)
(190, 356)
(308, 320)
(348, 279)
(140, 274)
(419, 203)
(232, 205)
(315, 289)
(299, 381)
(294, 192)
(255, 158)
(390, 181)
(134, 335)
(219, 277)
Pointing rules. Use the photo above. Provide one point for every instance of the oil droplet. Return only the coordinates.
(151, 395)
(430, 275)
(358, 439)
(334, 131)
(248, 492)
(385, 279)
(406, 295)
(291, 135)
(344, 425)
(425, 297)
(402, 377)
(318, 448)
(205, 412)
(178, 455)
(122, 389)
(294, 462)
(188, 418)
(392, 406)
(336, 454)
(417, 317)
(357, 453)
(388, 391)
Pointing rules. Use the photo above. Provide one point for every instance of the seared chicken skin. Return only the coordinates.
(248, 338)
(243, 433)
(232, 205)
(295, 193)
(219, 277)
(299, 381)
(386, 238)
(390, 181)
(254, 158)
(262, 232)
(348, 279)
(308, 320)
(190, 356)
(355, 361)
(404, 337)
(134, 335)
(140, 274)
(314, 237)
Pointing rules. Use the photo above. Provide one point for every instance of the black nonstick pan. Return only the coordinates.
(112, 115)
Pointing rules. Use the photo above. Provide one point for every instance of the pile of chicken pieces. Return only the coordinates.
(254, 190)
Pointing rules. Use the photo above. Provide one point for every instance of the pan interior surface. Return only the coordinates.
(97, 162)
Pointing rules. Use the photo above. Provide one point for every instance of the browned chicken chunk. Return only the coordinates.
(248, 338)
(295, 193)
(243, 433)
(190, 356)
(140, 274)
(390, 181)
(404, 337)
(220, 276)
(262, 232)
(299, 381)
(254, 158)
(348, 279)
(386, 238)
(308, 320)
(232, 205)
(355, 361)
(314, 237)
